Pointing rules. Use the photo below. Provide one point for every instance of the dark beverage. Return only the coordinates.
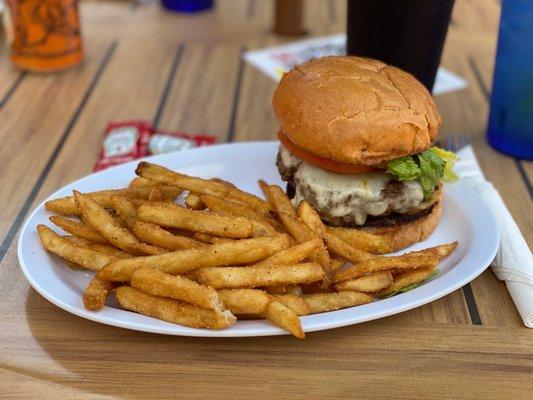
(408, 34)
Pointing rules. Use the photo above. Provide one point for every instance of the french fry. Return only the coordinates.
(406, 279)
(301, 233)
(78, 229)
(293, 254)
(173, 311)
(362, 240)
(148, 249)
(337, 263)
(266, 275)
(257, 302)
(285, 318)
(199, 185)
(367, 283)
(245, 301)
(67, 205)
(142, 182)
(96, 216)
(101, 248)
(295, 303)
(441, 251)
(197, 221)
(346, 251)
(262, 226)
(153, 234)
(96, 293)
(156, 194)
(298, 230)
(158, 283)
(204, 237)
(277, 198)
(124, 208)
(283, 289)
(221, 254)
(335, 245)
(381, 263)
(323, 302)
(87, 258)
(194, 202)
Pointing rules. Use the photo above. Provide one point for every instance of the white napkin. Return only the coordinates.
(514, 261)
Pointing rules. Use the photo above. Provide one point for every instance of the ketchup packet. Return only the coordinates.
(129, 140)
(123, 142)
(164, 142)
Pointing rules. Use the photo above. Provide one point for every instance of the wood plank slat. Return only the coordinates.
(202, 94)
(13, 213)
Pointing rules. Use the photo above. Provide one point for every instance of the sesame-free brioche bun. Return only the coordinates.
(408, 233)
(355, 110)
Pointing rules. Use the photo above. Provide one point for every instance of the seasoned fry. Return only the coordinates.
(337, 263)
(87, 258)
(156, 194)
(157, 283)
(293, 254)
(335, 245)
(406, 279)
(197, 221)
(96, 216)
(295, 303)
(301, 233)
(403, 262)
(346, 251)
(124, 207)
(173, 311)
(153, 234)
(367, 283)
(323, 302)
(142, 182)
(266, 275)
(194, 202)
(148, 249)
(245, 301)
(96, 293)
(262, 226)
(362, 240)
(199, 185)
(441, 252)
(285, 318)
(221, 254)
(277, 198)
(257, 302)
(101, 248)
(67, 205)
(78, 229)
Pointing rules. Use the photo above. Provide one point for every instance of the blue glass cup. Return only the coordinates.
(510, 128)
(188, 6)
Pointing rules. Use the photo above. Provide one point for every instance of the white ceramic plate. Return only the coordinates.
(465, 218)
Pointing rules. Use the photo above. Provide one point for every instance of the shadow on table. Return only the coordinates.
(112, 361)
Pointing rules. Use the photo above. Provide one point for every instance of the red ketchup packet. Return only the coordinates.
(129, 140)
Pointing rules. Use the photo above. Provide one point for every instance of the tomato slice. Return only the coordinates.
(322, 162)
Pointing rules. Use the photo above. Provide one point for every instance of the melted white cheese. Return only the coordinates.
(352, 196)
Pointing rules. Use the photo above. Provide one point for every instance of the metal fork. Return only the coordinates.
(453, 142)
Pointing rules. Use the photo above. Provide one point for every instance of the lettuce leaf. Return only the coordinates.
(413, 285)
(428, 167)
(405, 169)
(432, 167)
(450, 159)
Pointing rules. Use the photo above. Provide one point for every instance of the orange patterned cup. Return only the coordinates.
(46, 34)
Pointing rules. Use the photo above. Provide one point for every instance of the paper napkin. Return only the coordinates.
(514, 261)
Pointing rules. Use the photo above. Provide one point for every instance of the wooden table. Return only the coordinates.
(186, 73)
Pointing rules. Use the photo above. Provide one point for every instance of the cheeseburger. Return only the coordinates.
(356, 143)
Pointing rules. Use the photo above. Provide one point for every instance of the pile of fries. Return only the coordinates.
(224, 253)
